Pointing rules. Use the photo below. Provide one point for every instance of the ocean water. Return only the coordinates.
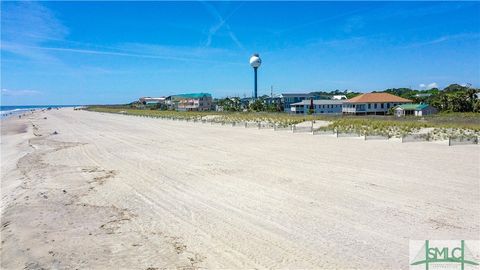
(6, 111)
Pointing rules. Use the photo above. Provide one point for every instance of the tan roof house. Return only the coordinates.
(372, 103)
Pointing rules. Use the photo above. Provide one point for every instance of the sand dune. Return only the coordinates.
(115, 191)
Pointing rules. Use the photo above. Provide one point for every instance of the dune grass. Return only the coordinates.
(448, 124)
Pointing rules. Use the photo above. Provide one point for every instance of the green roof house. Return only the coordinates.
(414, 109)
(192, 102)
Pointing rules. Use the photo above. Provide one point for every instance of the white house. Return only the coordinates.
(288, 99)
(322, 106)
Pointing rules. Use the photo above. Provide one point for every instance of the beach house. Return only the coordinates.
(288, 99)
(191, 102)
(152, 100)
(414, 109)
(322, 106)
(372, 103)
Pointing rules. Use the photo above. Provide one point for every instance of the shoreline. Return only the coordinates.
(114, 191)
(4, 114)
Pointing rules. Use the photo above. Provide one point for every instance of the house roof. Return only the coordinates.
(296, 95)
(320, 102)
(414, 107)
(192, 95)
(376, 98)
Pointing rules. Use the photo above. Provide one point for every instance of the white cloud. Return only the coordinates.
(462, 36)
(221, 23)
(9, 92)
(185, 54)
(29, 24)
(428, 86)
(28, 27)
(322, 20)
(175, 51)
(432, 85)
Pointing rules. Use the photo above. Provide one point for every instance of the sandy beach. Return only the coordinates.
(122, 192)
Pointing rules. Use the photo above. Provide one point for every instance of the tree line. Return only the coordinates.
(453, 98)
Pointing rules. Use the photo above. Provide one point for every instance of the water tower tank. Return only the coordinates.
(255, 61)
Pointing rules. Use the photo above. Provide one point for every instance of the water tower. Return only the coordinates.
(255, 62)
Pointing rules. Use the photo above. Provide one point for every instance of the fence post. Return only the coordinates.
(258, 125)
(336, 133)
(245, 124)
(294, 128)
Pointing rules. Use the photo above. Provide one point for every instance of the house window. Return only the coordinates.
(388, 105)
(381, 105)
(375, 105)
(369, 105)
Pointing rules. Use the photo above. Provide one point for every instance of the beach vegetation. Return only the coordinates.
(441, 125)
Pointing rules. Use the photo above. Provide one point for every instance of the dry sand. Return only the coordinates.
(124, 192)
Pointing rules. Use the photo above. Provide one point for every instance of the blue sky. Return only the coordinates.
(115, 52)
